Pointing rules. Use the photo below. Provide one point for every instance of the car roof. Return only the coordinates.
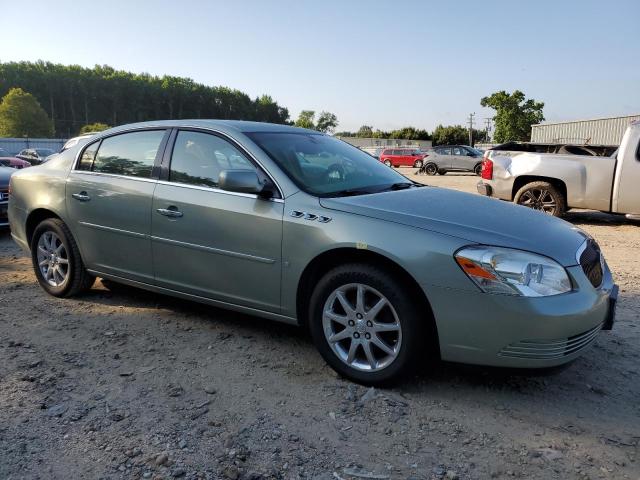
(242, 126)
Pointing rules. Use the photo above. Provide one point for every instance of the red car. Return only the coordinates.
(13, 162)
(402, 157)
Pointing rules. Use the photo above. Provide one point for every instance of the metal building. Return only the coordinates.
(597, 131)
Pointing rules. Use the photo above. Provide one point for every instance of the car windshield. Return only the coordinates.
(325, 166)
(44, 152)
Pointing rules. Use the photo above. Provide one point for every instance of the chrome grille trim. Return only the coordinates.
(550, 349)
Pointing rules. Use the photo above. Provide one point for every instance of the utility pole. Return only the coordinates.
(471, 115)
(487, 121)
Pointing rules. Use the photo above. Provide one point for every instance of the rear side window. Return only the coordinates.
(88, 156)
(132, 154)
(198, 158)
(443, 151)
(397, 152)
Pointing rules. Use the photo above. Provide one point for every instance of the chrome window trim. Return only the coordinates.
(218, 190)
(114, 175)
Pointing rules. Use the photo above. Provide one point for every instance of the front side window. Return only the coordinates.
(325, 166)
(132, 154)
(459, 151)
(198, 158)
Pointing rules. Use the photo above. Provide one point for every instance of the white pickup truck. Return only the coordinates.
(555, 182)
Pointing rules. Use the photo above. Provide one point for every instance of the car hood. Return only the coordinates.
(471, 217)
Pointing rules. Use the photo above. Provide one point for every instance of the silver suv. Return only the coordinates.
(452, 158)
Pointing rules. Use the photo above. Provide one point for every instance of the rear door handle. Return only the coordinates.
(172, 212)
(82, 196)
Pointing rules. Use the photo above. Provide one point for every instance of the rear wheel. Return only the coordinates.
(430, 169)
(417, 164)
(365, 325)
(56, 260)
(542, 196)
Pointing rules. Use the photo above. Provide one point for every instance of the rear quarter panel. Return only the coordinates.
(588, 179)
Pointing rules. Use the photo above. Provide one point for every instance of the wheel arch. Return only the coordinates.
(330, 259)
(34, 218)
(522, 180)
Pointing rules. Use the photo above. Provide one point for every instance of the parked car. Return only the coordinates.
(14, 162)
(452, 158)
(402, 157)
(5, 175)
(35, 156)
(294, 225)
(554, 183)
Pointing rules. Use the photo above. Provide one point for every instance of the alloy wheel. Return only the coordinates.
(53, 259)
(539, 199)
(361, 327)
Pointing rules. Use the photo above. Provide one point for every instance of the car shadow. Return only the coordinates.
(591, 217)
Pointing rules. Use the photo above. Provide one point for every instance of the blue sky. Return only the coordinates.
(385, 64)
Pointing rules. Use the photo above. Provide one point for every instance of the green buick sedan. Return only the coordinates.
(296, 226)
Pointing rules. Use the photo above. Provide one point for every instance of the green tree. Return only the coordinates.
(74, 96)
(93, 127)
(327, 122)
(22, 116)
(365, 131)
(450, 135)
(305, 119)
(514, 115)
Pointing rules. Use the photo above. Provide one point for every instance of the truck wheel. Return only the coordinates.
(542, 196)
(430, 169)
(366, 325)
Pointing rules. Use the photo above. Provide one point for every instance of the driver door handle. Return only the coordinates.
(82, 196)
(172, 212)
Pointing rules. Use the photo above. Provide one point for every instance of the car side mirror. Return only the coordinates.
(243, 181)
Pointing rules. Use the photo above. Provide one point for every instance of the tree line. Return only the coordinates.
(74, 96)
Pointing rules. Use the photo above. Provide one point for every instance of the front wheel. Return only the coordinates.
(387, 163)
(365, 325)
(417, 164)
(56, 260)
(542, 196)
(478, 169)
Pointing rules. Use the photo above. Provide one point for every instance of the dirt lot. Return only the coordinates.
(128, 384)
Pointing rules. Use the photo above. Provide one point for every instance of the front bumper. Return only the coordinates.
(508, 331)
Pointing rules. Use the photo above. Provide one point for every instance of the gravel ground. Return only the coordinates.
(127, 384)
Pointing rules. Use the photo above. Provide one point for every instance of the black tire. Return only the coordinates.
(412, 322)
(417, 164)
(478, 169)
(77, 279)
(430, 169)
(542, 196)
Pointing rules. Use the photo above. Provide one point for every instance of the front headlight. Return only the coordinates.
(513, 272)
